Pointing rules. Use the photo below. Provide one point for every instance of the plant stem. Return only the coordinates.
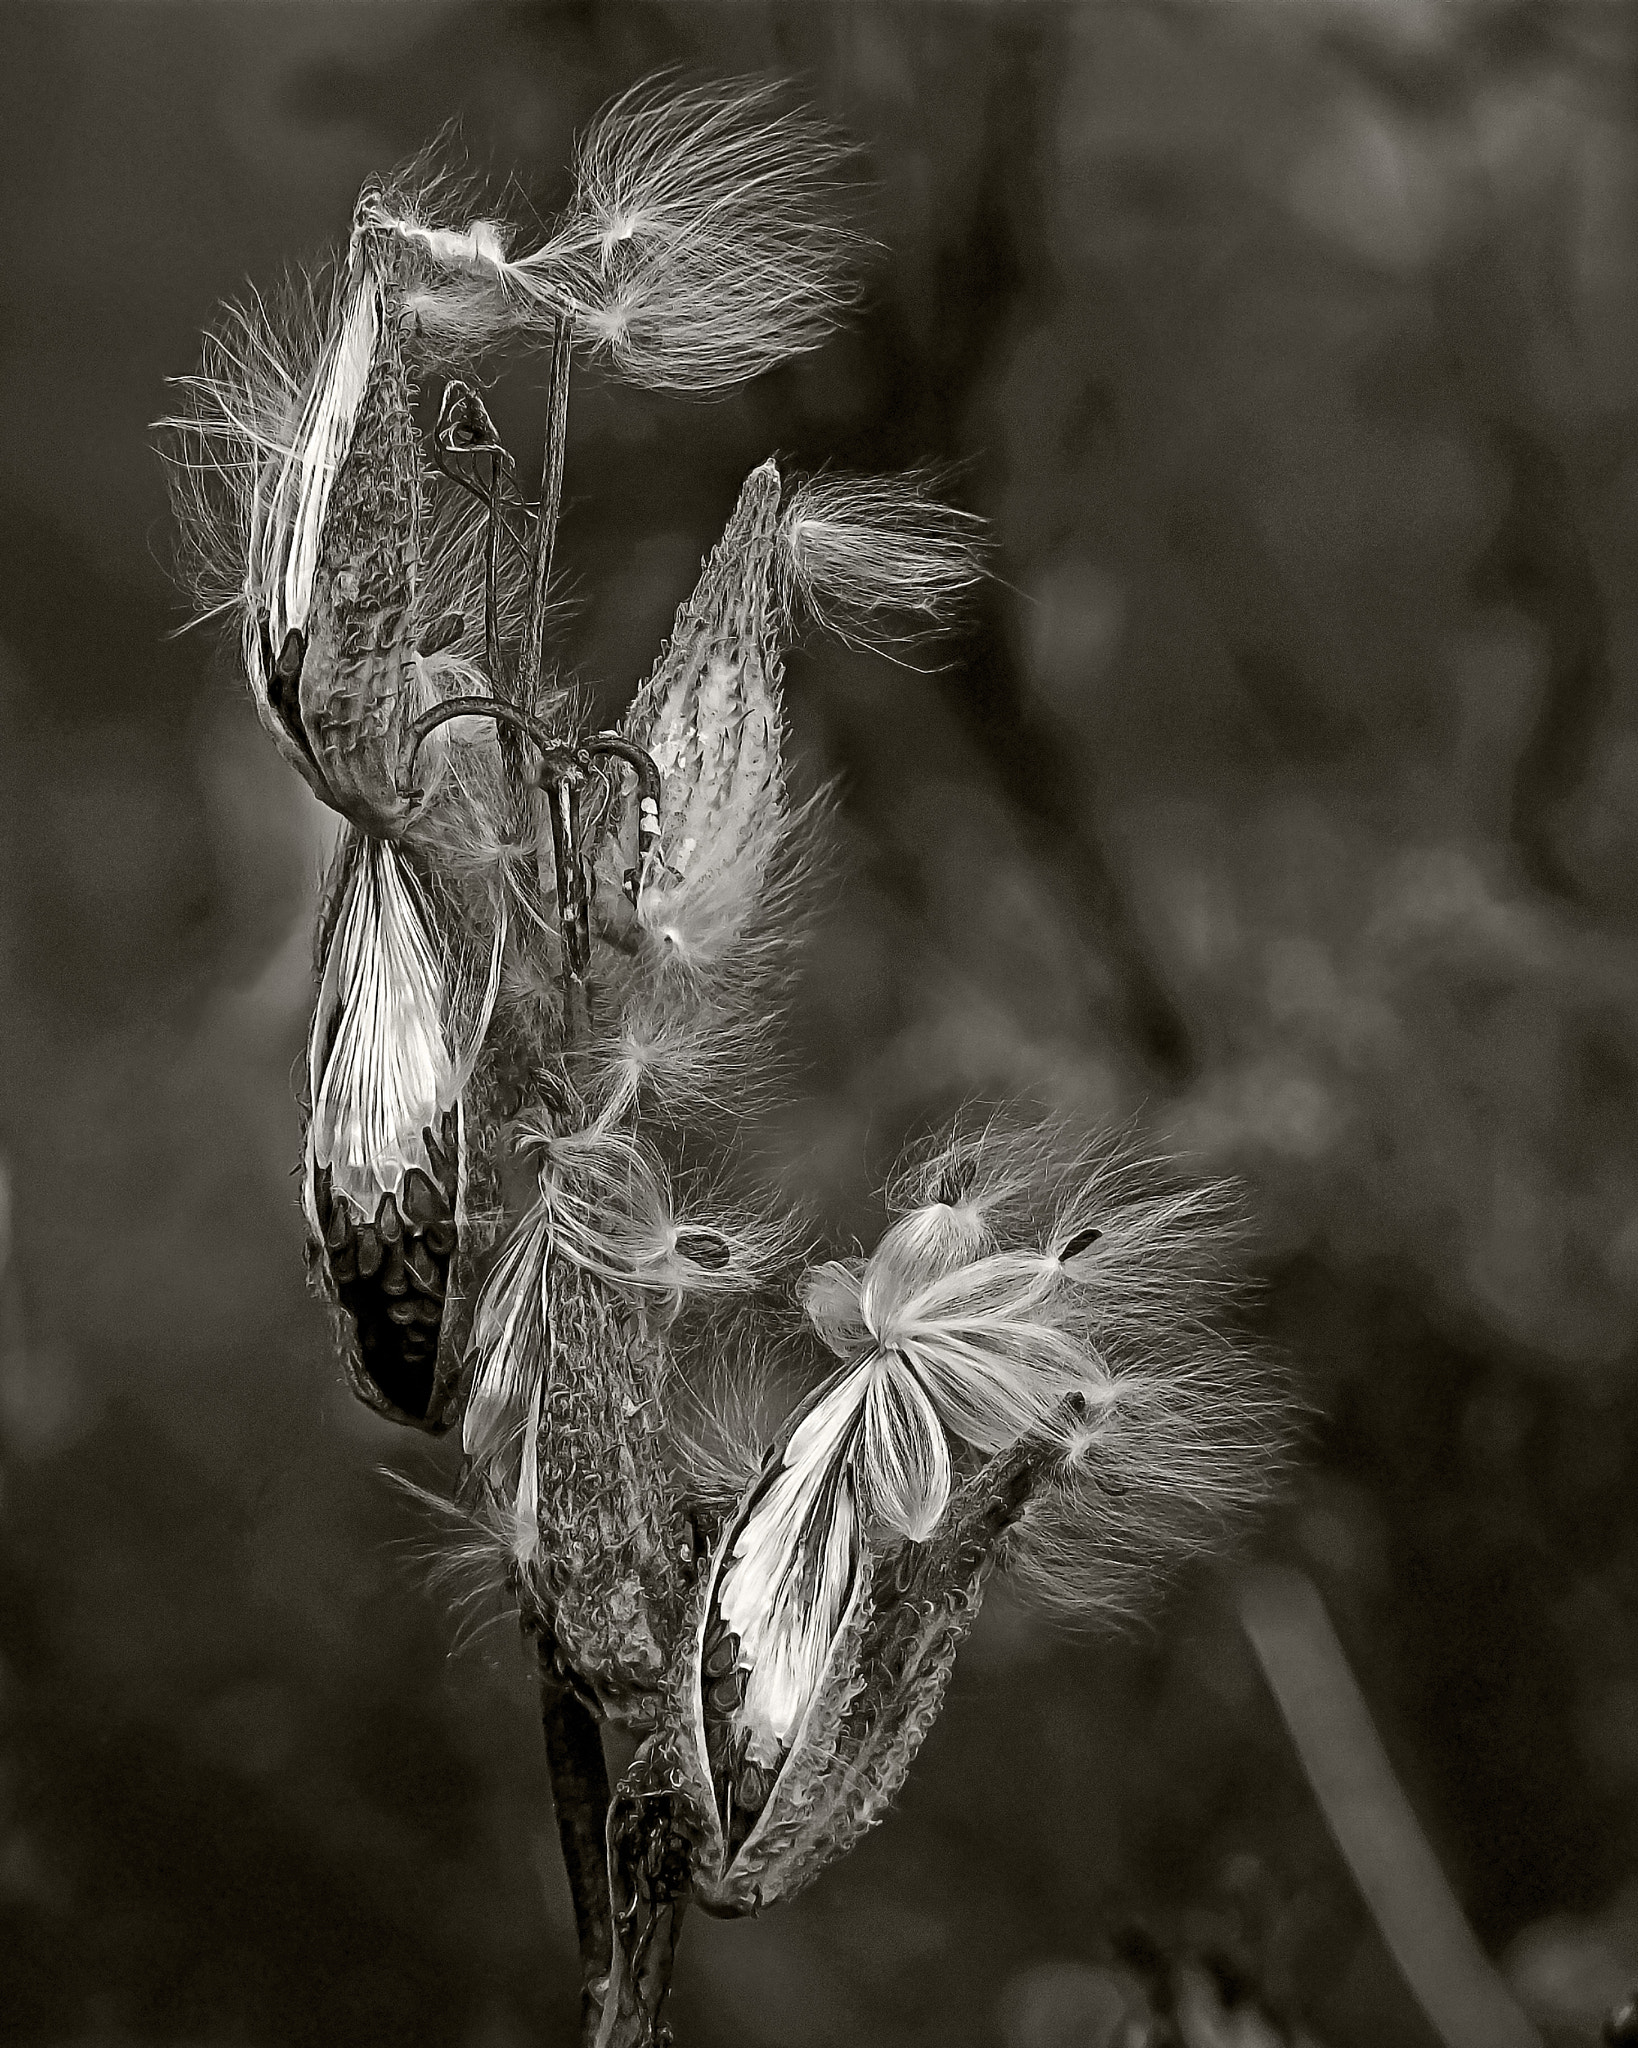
(533, 653)
(580, 1793)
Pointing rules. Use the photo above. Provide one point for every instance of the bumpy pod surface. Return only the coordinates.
(614, 1568)
(710, 717)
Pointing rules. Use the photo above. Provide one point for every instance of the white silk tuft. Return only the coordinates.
(864, 556)
(789, 1574)
(867, 1464)
(509, 1340)
(1028, 1293)
(382, 1064)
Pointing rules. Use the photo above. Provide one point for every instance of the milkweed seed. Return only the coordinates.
(721, 1656)
(725, 1694)
(394, 1280)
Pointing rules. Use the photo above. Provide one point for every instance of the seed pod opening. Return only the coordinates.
(763, 1820)
(395, 1032)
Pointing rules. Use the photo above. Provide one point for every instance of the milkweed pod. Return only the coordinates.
(710, 717)
(400, 1019)
(944, 1337)
(762, 1830)
(562, 1433)
(343, 615)
(296, 478)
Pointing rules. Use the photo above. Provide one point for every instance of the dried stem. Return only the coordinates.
(551, 499)
(580, 1794)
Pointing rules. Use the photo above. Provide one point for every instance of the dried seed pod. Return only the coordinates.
(359, 580)
(760, 1830)
(562, 1430)
(710, 717)
(402, 1010)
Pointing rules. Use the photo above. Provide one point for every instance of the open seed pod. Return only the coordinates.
(331, 577)
(308, 510)
(405, 997)
(759, 1831)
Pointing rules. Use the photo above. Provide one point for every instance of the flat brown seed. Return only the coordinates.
(369, 1253)
(427, 1269)
(443, 1151)
(389, 1225)
(422, 1202)
(725, 1694)
(703, 1248)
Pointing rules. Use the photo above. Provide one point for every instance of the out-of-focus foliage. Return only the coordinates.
(1286, 797)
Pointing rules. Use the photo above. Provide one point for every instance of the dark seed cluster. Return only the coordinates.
(392, 1271)
(742, 1787)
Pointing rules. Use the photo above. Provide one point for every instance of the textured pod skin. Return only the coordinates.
(883, 1687)
(359, 686)
(710, 716)
(614, 1569)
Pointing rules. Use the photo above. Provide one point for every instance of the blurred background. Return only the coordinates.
(1283, 797)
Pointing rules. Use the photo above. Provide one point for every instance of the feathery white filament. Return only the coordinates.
(788, 1576)
(868, 1461)
(482, 245)
(288, 519)
(986, 1334)
(702, 244)
(526, 1500)
(509, 1340)
(903, 1458)
(608, 1203)
(381, 1067)
(860, 550)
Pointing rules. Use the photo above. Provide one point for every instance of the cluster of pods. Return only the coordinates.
(551, 961)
